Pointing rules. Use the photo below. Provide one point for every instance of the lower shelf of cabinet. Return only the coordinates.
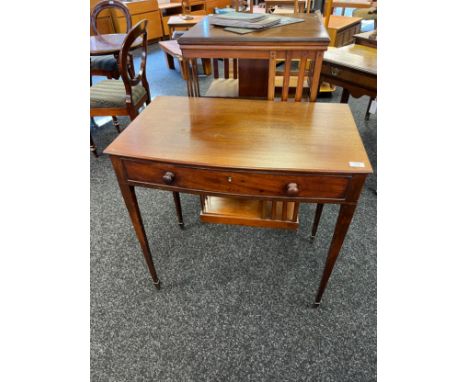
(255, 213)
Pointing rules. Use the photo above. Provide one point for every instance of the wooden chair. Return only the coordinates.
(107, 65)
(127, 95)
(265, 213)
(228, 86)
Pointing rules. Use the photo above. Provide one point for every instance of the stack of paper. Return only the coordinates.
(245, 20)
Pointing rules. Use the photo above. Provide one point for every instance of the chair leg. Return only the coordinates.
(92, 146)
(170, 61)
(318, 214)
(115, 121)
(132, 112)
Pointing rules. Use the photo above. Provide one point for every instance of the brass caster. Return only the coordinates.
(157, 284)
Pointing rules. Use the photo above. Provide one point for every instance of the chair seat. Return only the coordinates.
(225, 88)
(111, 93)
(107, 63)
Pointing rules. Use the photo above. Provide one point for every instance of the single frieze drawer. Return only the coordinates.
(252, 183)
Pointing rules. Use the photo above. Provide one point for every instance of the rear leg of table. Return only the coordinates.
(342, 224)
(170, 61)
(344, 96)
(178, 206)
(129, 196)
(318, 214)
(368, 108)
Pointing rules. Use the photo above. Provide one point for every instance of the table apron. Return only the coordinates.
(253, 184)
(254, 52)
(242, 196)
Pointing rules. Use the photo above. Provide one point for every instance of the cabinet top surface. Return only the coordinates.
(311, 30)
(245, 134)
(359, 57)
(342, 22)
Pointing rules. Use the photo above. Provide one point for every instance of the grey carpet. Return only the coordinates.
(236, 302)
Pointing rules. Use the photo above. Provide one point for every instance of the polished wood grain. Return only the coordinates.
(268, 156)
(362, 58)
(342, 29)
(310, 32)
(220, 133)
(302, 41)
(142, 10)
(354, 68)
(249, 212)
(366, 38)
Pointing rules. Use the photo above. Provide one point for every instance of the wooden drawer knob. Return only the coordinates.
(168, 177)
(292, 189)
(335, 71)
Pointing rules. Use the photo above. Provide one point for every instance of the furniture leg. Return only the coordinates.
(206, 66)
(129, 196)
(342, 224)
(368, 108)
(132, 111)
(315, 80)
(344, 96)
(170, 61)
(183, 70)
(178, 206)
(187, 70)
(195, 84)
(115, 121)
(215, 68)
(318, 214)
(92, 146)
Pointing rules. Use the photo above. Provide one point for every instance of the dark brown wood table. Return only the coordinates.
(366, 38)
(354, 68)
(257, 52)
(109, 44)
(252, 149)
